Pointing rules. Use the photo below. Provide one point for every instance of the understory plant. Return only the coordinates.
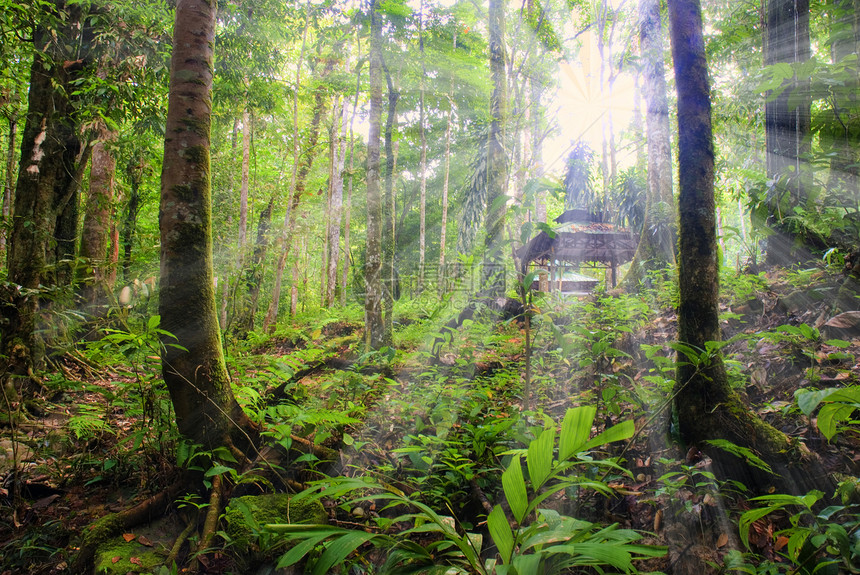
(530, 539)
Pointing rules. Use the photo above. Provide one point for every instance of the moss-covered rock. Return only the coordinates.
(246, 516)
(118, 557)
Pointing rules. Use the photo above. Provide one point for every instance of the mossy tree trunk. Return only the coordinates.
(493, 279)
(195, 373)
(46, 176)
(375, 332)
(707, 408)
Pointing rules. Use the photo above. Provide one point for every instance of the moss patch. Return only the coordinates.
(132, 558)
(246, 516)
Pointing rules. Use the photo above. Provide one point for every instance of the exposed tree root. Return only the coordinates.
(110, 525)
(180, 541)
(210, 525)
(318, 450)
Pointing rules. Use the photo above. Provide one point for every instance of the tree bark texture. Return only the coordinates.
(336, 212)
(97, 223)
(389, 229)
(46, 173)
(195, 373)
(8, 183)
(707, 407)
(374, 326)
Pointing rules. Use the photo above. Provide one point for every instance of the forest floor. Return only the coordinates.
(435, 417)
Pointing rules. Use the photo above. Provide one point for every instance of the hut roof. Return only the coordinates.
(608, 247)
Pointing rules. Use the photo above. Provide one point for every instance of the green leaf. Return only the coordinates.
(742, 452)
(501, 533)
(525, 564)
(621, 431)
(808, 400)
(515, 489)
(831, 415)
(298, 552)
(217, 470)
(614, 555)
(539, 458)
(339, 549)
(224, 454)
(575, 430)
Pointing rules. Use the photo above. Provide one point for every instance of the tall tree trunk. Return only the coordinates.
(707, 406)
(537, 145)
(253, 273)
(443, 235)
(347, 224)
(493, 279)
(787, 126)
(336, 209)
(301, 167)
(655, 250)
(97, 224)
(840, 134)
(45, 182)
(375, 332)
(8, 183)
(422, 168)
(243, 188)
(389, 215)
(134, 172)
(192, 359)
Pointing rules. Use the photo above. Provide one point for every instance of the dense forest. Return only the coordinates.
(437, 286)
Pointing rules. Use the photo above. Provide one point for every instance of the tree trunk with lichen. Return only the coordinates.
(706, 405)
(192, 360)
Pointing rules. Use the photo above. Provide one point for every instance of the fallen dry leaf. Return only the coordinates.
(722, 540)
(136, 561)
(144, 540)
(128, 537)
(115, 559)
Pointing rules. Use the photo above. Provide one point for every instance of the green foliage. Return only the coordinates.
(542, 542)
(822, 541)
(838, 407)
